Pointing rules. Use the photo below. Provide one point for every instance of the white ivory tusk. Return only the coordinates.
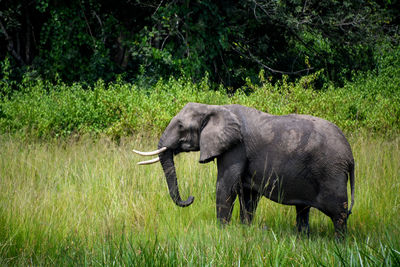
(151, 161)
(151, 153)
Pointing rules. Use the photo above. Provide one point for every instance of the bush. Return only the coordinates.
(40, 109)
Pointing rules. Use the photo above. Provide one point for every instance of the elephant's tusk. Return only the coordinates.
(151, 153)
(151, 161)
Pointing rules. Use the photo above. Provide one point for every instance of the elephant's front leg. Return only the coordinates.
(226, 196)
(248, 203)
(230, 170)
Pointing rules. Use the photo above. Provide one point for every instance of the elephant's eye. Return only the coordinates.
(180, 126)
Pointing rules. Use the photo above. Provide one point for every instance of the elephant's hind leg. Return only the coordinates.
(302, 218)
(339, 219)
(336, 205)
(337, 211)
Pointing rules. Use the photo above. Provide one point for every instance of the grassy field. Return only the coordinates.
(86, 202)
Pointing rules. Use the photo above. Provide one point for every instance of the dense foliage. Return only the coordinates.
(371, 102)
(85, 40)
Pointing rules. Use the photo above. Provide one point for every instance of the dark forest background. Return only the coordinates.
(87, 40)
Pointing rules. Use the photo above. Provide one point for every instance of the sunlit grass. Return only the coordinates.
(87, 202)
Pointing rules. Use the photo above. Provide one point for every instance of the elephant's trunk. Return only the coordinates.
(167, 162)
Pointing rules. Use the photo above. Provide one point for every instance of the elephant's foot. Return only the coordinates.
(224, 210)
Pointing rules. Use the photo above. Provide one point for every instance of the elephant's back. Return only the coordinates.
(305, 134)
(296, 145)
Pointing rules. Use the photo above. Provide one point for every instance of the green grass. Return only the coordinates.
(86, 202)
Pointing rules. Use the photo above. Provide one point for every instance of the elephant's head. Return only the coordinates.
(210, 129)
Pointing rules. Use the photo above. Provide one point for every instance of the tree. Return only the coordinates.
(83, 40)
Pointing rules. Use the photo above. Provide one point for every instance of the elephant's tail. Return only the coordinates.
(351, 174)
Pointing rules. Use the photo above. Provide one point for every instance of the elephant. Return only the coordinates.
(292, 159)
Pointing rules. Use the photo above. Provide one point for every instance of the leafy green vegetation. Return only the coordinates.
(88, 203)
(41, 109)
(83, 41)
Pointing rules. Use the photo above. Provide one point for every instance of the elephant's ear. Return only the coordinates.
(220, 131)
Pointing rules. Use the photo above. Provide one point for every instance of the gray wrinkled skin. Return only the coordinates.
(295, 160)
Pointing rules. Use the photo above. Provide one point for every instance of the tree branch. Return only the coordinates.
(253, 58)
(10, 45)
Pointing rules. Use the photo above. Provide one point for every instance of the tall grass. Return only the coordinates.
(86, 202)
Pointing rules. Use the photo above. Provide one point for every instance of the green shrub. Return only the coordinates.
(40, 109)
